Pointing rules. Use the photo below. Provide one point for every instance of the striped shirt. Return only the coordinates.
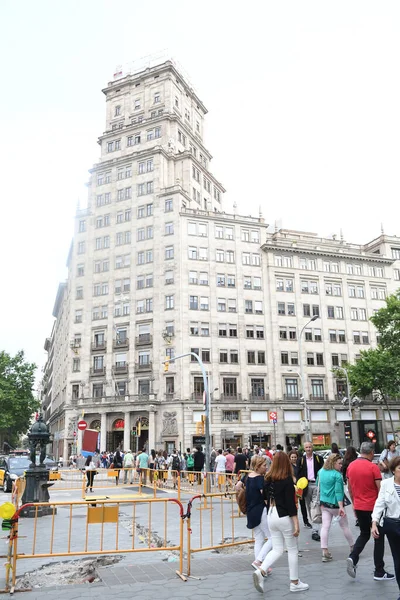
(397, 488)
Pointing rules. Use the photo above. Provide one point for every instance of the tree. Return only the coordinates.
(17, 403)
(378, 370)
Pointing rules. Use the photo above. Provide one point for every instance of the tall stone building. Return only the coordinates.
(157, 268)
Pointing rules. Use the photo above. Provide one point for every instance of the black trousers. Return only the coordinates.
(303, 509)
(90, 478)
(365, 522)
(394, 543)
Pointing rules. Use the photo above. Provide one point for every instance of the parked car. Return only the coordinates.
(49, 462)
(12, 467)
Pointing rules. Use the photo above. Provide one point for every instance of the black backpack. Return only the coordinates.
(176, 463)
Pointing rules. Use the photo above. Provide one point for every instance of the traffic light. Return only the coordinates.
(166, 365)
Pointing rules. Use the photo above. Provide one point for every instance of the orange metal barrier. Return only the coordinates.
(211, 529)
(110, 527)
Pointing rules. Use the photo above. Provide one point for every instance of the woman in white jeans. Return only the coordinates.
(256, 509)
(283, 522)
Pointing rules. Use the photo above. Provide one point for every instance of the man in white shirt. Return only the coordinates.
(220, 468)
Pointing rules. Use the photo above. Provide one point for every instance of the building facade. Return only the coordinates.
(157, 268)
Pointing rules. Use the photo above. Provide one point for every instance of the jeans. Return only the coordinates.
(327, 516)
(262, 547)
(282, 532)
(303, 509)
(394, 543)
(365, 522)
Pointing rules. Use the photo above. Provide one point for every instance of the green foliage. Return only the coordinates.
(17, 403)
(377, 370)
(387, 322)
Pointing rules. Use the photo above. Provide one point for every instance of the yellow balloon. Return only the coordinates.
(302, 483)
(7, 510)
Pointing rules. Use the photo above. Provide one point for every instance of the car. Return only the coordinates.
(12, 467)
(50, 463)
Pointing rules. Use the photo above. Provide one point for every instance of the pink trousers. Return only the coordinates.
(327, 516)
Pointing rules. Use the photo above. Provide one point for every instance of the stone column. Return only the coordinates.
(152, 427)
(127, 431)
(103, 433)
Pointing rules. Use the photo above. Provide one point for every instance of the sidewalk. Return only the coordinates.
(231, 577)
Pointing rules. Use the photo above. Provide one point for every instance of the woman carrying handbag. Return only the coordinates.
(386, 514)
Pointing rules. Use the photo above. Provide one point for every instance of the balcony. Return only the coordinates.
(230, 397)
(120, 369)
(121, 344)
(291, 398)
(97, 371)
(144, 339)
(196, 396)
(259, 397)
(145, 366)
(99, 346)
(169, 396)
(319, 398)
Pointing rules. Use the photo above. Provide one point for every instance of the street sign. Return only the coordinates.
(273, 417)
(82, 425)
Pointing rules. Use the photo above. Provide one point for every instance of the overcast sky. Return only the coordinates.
(303, 100)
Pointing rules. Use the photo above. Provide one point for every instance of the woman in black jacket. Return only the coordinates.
(283, 521)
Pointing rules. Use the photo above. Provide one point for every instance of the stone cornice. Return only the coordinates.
(341, 253)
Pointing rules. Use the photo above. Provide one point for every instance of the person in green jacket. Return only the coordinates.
(331, 493)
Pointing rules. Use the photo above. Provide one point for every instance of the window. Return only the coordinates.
(251, 357)
(168, 277)
(246, 259)
(229, 387)
(204, 303)
(308, 264)
(257, 388)
(221, 304)
(283, 261)
(169, 252)
(78, 315)
(82, 226)
(281, 308)
(261, 357)
(258, 307)
(396, 253)
(168, 205)
(333, 289)
(231, 416)
(80, 270)
(317, 388)
(169, 228)
(396, 274)
(193, 302)
(79, 293)
(223, 356)
(97, 390)
(169, 302)
(205, 355)
(219, 256)
(309, 287)
(248, 306)
(378, 293)
(76, 365)
(291, 388)
(230, 256)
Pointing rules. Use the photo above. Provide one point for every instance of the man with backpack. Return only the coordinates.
(175, 463)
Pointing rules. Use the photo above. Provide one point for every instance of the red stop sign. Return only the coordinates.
(82, 425)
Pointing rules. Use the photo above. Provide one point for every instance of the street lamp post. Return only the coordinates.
(307, 429)
(207, 403)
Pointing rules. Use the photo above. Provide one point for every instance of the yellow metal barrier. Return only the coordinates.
(211, 529)
(110, 527)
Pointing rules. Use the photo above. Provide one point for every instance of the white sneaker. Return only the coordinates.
(258, 580)
(299, 587)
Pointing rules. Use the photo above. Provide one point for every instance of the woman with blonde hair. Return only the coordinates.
(256, 509)
(283, 522)
(331, 494)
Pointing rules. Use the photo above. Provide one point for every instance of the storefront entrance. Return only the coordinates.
(261, 439)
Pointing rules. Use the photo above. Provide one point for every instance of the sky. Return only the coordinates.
(303, 122)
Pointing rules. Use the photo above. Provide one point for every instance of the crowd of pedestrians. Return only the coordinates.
(273, 500)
